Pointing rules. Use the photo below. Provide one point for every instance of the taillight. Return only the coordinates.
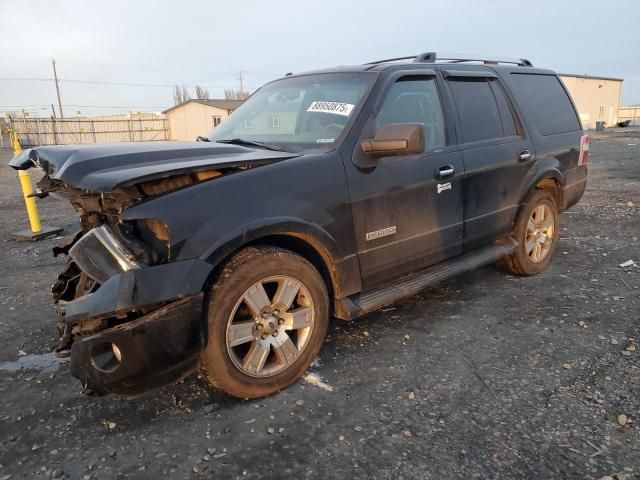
(584, 150)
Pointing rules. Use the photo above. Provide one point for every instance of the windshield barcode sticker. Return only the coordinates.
(337, 108)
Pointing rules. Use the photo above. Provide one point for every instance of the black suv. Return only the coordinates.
(326, 194)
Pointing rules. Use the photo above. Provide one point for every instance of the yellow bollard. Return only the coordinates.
(37, 231)
(27, 189)
(15, 142)
(32, 209)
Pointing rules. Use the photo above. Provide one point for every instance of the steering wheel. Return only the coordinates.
(333, 126)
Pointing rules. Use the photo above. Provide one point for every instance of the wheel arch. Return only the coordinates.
(554, 187)
(306, 247)
(550, 178)
(303, 238)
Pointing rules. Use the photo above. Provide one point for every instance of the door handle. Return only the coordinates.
(525, 156)
(444, 171)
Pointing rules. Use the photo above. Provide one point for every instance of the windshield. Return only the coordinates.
(298, 113)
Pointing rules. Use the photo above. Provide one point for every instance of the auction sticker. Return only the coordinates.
(337, 108)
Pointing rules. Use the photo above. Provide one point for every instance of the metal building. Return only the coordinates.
(597, 98)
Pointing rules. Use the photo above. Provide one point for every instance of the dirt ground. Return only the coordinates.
(483, 376)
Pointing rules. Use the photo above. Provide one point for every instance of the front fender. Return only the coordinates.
(343, 270)
(313, 234)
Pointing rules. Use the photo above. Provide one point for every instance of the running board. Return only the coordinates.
(362, 303)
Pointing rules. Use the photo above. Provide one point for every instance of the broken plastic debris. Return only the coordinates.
(316, 381)
(628, 263)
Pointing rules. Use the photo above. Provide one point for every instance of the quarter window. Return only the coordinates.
(415, 100)
(548, 101)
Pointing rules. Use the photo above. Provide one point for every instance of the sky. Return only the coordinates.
(119, 56)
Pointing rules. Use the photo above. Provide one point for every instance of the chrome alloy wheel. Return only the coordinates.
(270, 326)
(540, 232)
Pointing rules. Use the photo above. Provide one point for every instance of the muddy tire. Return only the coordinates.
(536, 229)
(268, 313)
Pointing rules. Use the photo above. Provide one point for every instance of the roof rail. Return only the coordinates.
(431, 57)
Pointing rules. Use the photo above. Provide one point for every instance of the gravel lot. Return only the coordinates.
(483, 376)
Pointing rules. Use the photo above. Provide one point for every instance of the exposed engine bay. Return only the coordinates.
(105, 246)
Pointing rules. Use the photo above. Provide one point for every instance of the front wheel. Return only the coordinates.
(537, 230)
(267, 319)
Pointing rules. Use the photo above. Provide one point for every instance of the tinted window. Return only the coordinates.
(548, 102)
(478, 110)
(508, 122)
(415, 100)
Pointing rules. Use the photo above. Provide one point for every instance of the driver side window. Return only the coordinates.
(415, 100)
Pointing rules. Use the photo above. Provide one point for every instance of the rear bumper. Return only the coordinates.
(154, 350)
(575, 185)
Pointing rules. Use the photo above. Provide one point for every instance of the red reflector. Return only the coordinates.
(584, 150)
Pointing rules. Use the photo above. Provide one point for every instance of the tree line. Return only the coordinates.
(181, 94)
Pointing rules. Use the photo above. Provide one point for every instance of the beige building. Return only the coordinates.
(597, 98)
(630, 113)
(198, 117)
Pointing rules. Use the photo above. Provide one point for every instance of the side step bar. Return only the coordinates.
(362, 303)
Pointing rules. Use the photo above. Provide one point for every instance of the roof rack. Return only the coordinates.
(431, 57)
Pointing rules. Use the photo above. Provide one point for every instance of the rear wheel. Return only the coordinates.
(537, 230)
(267, 319)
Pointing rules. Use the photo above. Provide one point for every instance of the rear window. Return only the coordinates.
(548, 101)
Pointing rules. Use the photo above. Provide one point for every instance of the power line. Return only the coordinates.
(101, 82)
(27, 79)
(46, 105)
(142, 67)
(126, 84)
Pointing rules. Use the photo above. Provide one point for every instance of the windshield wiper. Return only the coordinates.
(253, 143)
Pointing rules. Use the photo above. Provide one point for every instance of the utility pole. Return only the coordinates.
(53, 111)
(242, 85)
(55, 77)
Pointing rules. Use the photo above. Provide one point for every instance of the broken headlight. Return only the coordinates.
(101, 253)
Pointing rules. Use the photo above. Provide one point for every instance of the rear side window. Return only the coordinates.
(483, 108)
(548, 101)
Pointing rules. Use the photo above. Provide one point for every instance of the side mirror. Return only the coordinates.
(396, 139)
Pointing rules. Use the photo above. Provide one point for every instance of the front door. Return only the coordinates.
(407, 210)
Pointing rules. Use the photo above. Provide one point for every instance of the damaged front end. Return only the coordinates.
(130, 317)
(129, 301)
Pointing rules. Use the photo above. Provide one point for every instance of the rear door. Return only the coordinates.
(497, 154)
(407, 210)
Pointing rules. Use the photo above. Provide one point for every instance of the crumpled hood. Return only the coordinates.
(104, 167)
